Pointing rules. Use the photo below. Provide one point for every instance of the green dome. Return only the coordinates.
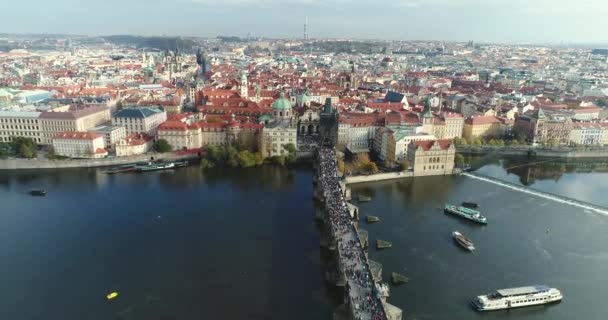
(281, 103)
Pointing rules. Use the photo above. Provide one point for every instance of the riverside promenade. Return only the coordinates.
(363, 300)
(33, 164)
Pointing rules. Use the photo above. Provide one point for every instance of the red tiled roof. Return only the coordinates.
(173, 126)
(481, 120)
(77, 135)
(426, 145)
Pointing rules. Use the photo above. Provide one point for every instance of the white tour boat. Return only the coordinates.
(517, 297)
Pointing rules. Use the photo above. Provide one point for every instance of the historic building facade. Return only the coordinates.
(140, 120)
(431, 157)
(281, 129)
(79, 145)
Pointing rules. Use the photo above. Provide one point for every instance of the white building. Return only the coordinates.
(19, 124)
(133, 144)
(79, 145)
(281, 130)
(140, 120)
(111, 134)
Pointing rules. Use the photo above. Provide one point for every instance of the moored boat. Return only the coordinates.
(155, 167)
(463, 241)
(517, 297)
(467, 213)
(470, 205)
(38, 192)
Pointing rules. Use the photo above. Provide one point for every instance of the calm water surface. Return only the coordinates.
(514, 249)
(175, 245)
(243, 244)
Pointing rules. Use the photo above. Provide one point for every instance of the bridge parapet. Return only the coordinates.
(362, 295)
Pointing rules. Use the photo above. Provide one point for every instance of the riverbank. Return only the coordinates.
(591, 152)
(29, 164)
(378, 177)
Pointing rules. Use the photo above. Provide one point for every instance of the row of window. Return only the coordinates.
(9, 139)
(433, 167)
(12, 120)
(529, 300)
(19, 127)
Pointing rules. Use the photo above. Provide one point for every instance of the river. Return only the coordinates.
(243, 244)
(175, 245)
(528, 240)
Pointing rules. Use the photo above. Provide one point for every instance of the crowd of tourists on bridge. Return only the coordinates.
(366, 301)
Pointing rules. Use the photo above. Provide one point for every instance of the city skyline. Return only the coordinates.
(540, 21)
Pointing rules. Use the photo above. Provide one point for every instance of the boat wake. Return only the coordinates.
(541, 194)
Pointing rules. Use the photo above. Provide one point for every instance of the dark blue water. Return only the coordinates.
(243, 244)
(514, 249)
(174, 245)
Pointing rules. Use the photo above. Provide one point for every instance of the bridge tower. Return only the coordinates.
(328, 127)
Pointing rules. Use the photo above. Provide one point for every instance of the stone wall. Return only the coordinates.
(17, 164)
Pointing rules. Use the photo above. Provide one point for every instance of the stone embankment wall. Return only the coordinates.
(16, 164)
(379, 177)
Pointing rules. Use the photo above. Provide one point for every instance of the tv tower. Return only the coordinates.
(306, 29)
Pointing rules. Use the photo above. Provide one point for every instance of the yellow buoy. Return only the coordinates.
(112, 295)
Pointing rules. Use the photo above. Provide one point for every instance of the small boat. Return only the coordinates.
(38, 192)
(467, 213)
(181, 164)
(156, 167)
(463, 241)
(112, 295)
(371, 219)
(383, 244)
(398, 278)
(123, 168)
(363, 198)
(470, 205)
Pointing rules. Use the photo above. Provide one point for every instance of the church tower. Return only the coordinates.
(244, 87)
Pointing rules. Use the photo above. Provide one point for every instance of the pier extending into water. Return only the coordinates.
(541, 194)
(364, 293)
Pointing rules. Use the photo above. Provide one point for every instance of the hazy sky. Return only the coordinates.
(480, 20)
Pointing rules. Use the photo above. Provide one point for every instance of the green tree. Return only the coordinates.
(404, 165)
(476, 142)
(279, 160)
(232, 156)
(26, 152)
(246, 159)
(162, 146)
(373, 168)
(259, 158)
(459, 160)
(291, 156)
(458, 141)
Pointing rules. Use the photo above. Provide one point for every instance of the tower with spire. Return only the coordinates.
(244, 86)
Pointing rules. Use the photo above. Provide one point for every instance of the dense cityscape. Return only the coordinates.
(362, 113)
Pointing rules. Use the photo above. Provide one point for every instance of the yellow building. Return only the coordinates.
(483, 126)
